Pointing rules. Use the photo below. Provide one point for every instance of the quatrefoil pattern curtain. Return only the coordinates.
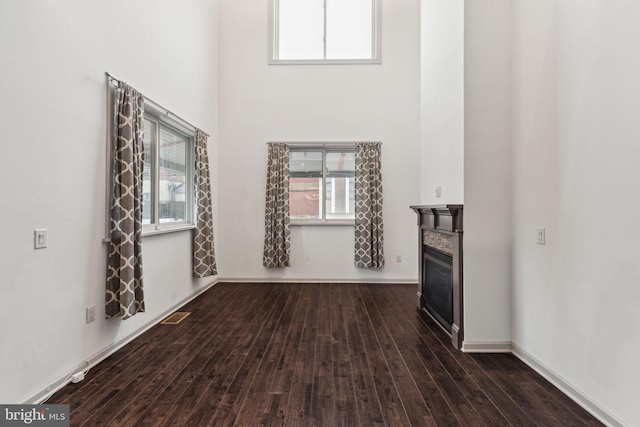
(368, 210)
(125, 296)
(276, 219)
(204, 257)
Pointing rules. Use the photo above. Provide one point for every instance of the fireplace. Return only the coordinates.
(437, 286)
(440, 275)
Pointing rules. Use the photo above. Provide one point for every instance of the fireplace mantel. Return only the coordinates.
(440, 229)
(440, 217)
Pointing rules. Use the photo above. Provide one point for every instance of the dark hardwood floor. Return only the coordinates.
(311, 355)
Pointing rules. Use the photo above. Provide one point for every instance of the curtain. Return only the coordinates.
(204, 257)
(276, 219)
(125, 296)
(368, 230)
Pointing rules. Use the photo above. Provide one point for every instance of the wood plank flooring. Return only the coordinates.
(311, 355)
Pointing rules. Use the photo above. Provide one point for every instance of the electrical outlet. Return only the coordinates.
(438, 190)
(398, 258)
(541, 236)
(91, 313)
(77, 377)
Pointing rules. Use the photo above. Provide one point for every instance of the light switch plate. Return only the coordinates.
(40, 238)
(541, 236)
(91, 313)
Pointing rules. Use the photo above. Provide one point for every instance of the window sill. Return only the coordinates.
(338, 222)
(166, 230)
(324, 61)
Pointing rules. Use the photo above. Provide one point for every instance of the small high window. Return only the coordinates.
(325, 31)
(322, 186)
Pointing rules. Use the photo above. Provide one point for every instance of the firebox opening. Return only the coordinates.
(437, 286)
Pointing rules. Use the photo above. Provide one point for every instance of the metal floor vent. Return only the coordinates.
(176, 318)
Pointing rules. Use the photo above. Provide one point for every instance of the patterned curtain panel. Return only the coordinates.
(124, 264)
(276, 219)
(204, 256)
(368, 231)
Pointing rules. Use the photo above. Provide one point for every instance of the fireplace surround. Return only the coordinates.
(440, 287)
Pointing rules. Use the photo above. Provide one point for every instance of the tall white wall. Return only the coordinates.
(487, 167)
(442, 101)
(52, 104)
(575, 172)
(261, 103)
(465, 113)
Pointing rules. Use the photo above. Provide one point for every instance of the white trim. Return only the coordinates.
(486, 346)
(330, 145)
(324, 61)
(362, 281)
(98, 357)
(340, 222)
(377, 28)
(157, 231)
(273, 47)
(587, 402)
(324, 28)
(166, 229)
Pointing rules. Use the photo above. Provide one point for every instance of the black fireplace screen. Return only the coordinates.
(437, 285)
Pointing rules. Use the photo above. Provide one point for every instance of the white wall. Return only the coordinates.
(442, 101)
(487, 167)
(575, 172)
(54, 55)
(261, 103)
(571, 166)
(465, 113)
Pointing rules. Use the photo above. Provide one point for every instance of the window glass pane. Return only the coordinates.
(173, 176)
(341, 164)
(304, 198)
(305, 164)
(148, 173)
(349, 29)
(305, 184)
(340, 197)
(301, 29)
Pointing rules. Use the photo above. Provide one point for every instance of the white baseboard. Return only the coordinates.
(486, 346)
(48, 391)
(287, 280)
(588, 403)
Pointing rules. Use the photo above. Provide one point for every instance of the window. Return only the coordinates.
(325, 31)
(167, 191)
(168, 202)
(322, 186)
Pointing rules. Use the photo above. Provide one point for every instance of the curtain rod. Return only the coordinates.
(156, 105)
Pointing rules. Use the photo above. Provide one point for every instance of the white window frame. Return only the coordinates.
(155, 114)
(158, 114)
(376, 54)
(324, 148)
